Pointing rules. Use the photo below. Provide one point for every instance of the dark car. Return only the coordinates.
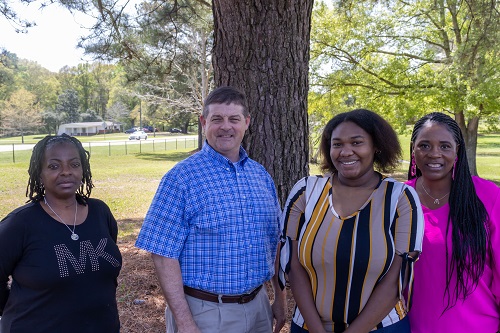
(132, 130)
(150, 129)
(175, 130)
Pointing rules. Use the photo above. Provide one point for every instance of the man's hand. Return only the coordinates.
(189, 329)
(279, 310)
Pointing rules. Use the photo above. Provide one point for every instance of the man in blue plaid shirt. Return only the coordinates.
(213, 230)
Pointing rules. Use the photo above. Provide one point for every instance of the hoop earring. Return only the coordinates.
(454, 167)
(413, 168)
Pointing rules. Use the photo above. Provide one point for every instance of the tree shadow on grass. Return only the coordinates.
(171, 156)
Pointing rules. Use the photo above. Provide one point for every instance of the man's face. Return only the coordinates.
(224, 127)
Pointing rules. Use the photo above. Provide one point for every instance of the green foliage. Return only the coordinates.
(8, 63)
(68, 105)
(21, 113)
(404, 59)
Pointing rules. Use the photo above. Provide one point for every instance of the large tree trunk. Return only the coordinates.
(469, 132)
(262, 47)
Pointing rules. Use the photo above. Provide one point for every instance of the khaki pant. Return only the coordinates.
(253, 317)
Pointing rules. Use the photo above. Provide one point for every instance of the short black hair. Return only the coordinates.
(226, 95)
(385, 140)
(35, 190)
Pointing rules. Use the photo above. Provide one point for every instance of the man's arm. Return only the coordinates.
(169, 274)
(279, 304)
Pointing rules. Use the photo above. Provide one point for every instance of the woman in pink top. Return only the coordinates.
(457, 279)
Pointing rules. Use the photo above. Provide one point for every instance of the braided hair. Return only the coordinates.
(467, 217)
(35, 190)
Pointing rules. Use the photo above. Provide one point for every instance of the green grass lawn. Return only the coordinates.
(92, 138)
(127, 182)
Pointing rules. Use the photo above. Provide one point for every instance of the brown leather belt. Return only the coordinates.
(206, 296)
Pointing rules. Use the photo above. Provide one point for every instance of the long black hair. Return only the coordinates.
(467, 217)
(35, 190)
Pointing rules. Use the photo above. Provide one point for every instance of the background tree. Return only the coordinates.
(39, 81)
(164, 49)
(69, 105)
(21, 113)
(90, 116)
(262, 47)
(406, 59)
(117, 113)
(8, 63)
(52, 119)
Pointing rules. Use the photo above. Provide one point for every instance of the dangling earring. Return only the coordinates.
(413, 169)
(454, 167)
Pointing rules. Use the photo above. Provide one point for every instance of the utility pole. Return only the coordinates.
(140, 115)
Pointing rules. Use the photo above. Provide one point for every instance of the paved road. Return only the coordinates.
(180, 138)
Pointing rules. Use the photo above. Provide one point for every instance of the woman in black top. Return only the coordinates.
(59, 250)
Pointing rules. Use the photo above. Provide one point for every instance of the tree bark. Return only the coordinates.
(262, 48)
(469, 131)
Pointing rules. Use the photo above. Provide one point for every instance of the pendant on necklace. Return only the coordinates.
(75, 236)
(436, 202)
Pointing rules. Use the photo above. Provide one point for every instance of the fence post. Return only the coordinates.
(109, 148)
(13, 154)
(126, 148)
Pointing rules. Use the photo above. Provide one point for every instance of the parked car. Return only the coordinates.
(132, 130)
(137, 135)
(175, 130)
(150, 129)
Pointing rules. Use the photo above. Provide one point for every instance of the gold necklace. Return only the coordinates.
(436, 200)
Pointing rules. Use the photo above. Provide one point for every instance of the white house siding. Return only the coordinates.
(90, 128)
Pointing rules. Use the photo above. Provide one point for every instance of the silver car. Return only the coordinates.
(138, 135)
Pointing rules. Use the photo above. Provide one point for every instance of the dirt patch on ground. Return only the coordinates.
(140, 301)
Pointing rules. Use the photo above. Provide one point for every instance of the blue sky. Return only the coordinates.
(52, 43)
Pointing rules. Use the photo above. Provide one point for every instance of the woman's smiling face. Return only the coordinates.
(352, 151)
(435, 151)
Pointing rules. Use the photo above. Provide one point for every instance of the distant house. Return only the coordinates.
(91, 128)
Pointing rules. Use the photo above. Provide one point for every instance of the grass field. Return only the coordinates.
(127, 183)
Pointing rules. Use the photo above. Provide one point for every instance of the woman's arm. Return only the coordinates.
(383, 298)
(279, 305)
(11, 251)
(301, 288)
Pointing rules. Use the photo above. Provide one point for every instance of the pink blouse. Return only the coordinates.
(480, 311)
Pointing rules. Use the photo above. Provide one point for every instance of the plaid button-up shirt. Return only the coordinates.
(219, 219)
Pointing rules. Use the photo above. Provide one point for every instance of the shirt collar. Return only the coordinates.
(215, 155)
